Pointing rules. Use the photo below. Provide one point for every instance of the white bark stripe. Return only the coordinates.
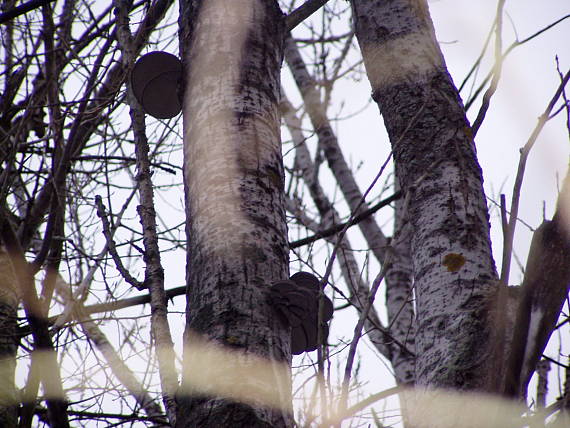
(212, 171)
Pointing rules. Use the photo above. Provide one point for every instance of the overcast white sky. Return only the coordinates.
(528, 82)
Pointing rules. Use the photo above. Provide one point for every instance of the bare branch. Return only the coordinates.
(303, 12)
(22, 9)
(513, 218)
(355, 220)
(498, 67)
(113, 247)
(154, 272)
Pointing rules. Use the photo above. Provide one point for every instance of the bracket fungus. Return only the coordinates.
(155, 80)
(296, 302)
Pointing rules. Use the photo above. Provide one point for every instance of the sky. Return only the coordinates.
(529, 79)
(528, 82)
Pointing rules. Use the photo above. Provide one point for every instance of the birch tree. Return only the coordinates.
(435, 159)
(234, 178)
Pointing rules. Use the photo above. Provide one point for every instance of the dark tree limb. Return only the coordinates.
(50, 374)
(111, 307)
(303, 12)
(544, 289)
(497, 69)
(22, 9)
(355, 220)
(8, 341)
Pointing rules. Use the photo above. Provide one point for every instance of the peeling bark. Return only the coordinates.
(233, 177)
(453, 266)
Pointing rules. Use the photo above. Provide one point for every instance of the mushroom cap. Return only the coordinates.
(155, 79)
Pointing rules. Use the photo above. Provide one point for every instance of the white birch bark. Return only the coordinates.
(453, 266)
(233, 176)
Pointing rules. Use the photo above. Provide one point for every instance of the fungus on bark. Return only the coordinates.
(296, 303)
(155, 81)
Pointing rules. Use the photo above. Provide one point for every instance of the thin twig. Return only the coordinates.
(544, 117)
(351, 222)
(22, 9)
(371, 296)
(154, 271)
(101, 213)
(358, 333)
(498, 67)
(477, 62)
(513, 45)
(361, 405)
(80, 294)
(505, 229)
(105, 307)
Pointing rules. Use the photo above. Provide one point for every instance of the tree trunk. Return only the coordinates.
(8, 342)
(233, 177)
(435, 160)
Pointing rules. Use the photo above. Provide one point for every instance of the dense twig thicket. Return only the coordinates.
(93, 242)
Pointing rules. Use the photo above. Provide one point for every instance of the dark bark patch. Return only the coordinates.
(223, 413)
(203, 317)
(242, 119)
(434, 251)
(382, 32)
(254, 253)
(275, 177)
(453, 262)
(474, 302)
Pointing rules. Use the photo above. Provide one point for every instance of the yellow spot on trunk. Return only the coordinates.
(453, 262)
